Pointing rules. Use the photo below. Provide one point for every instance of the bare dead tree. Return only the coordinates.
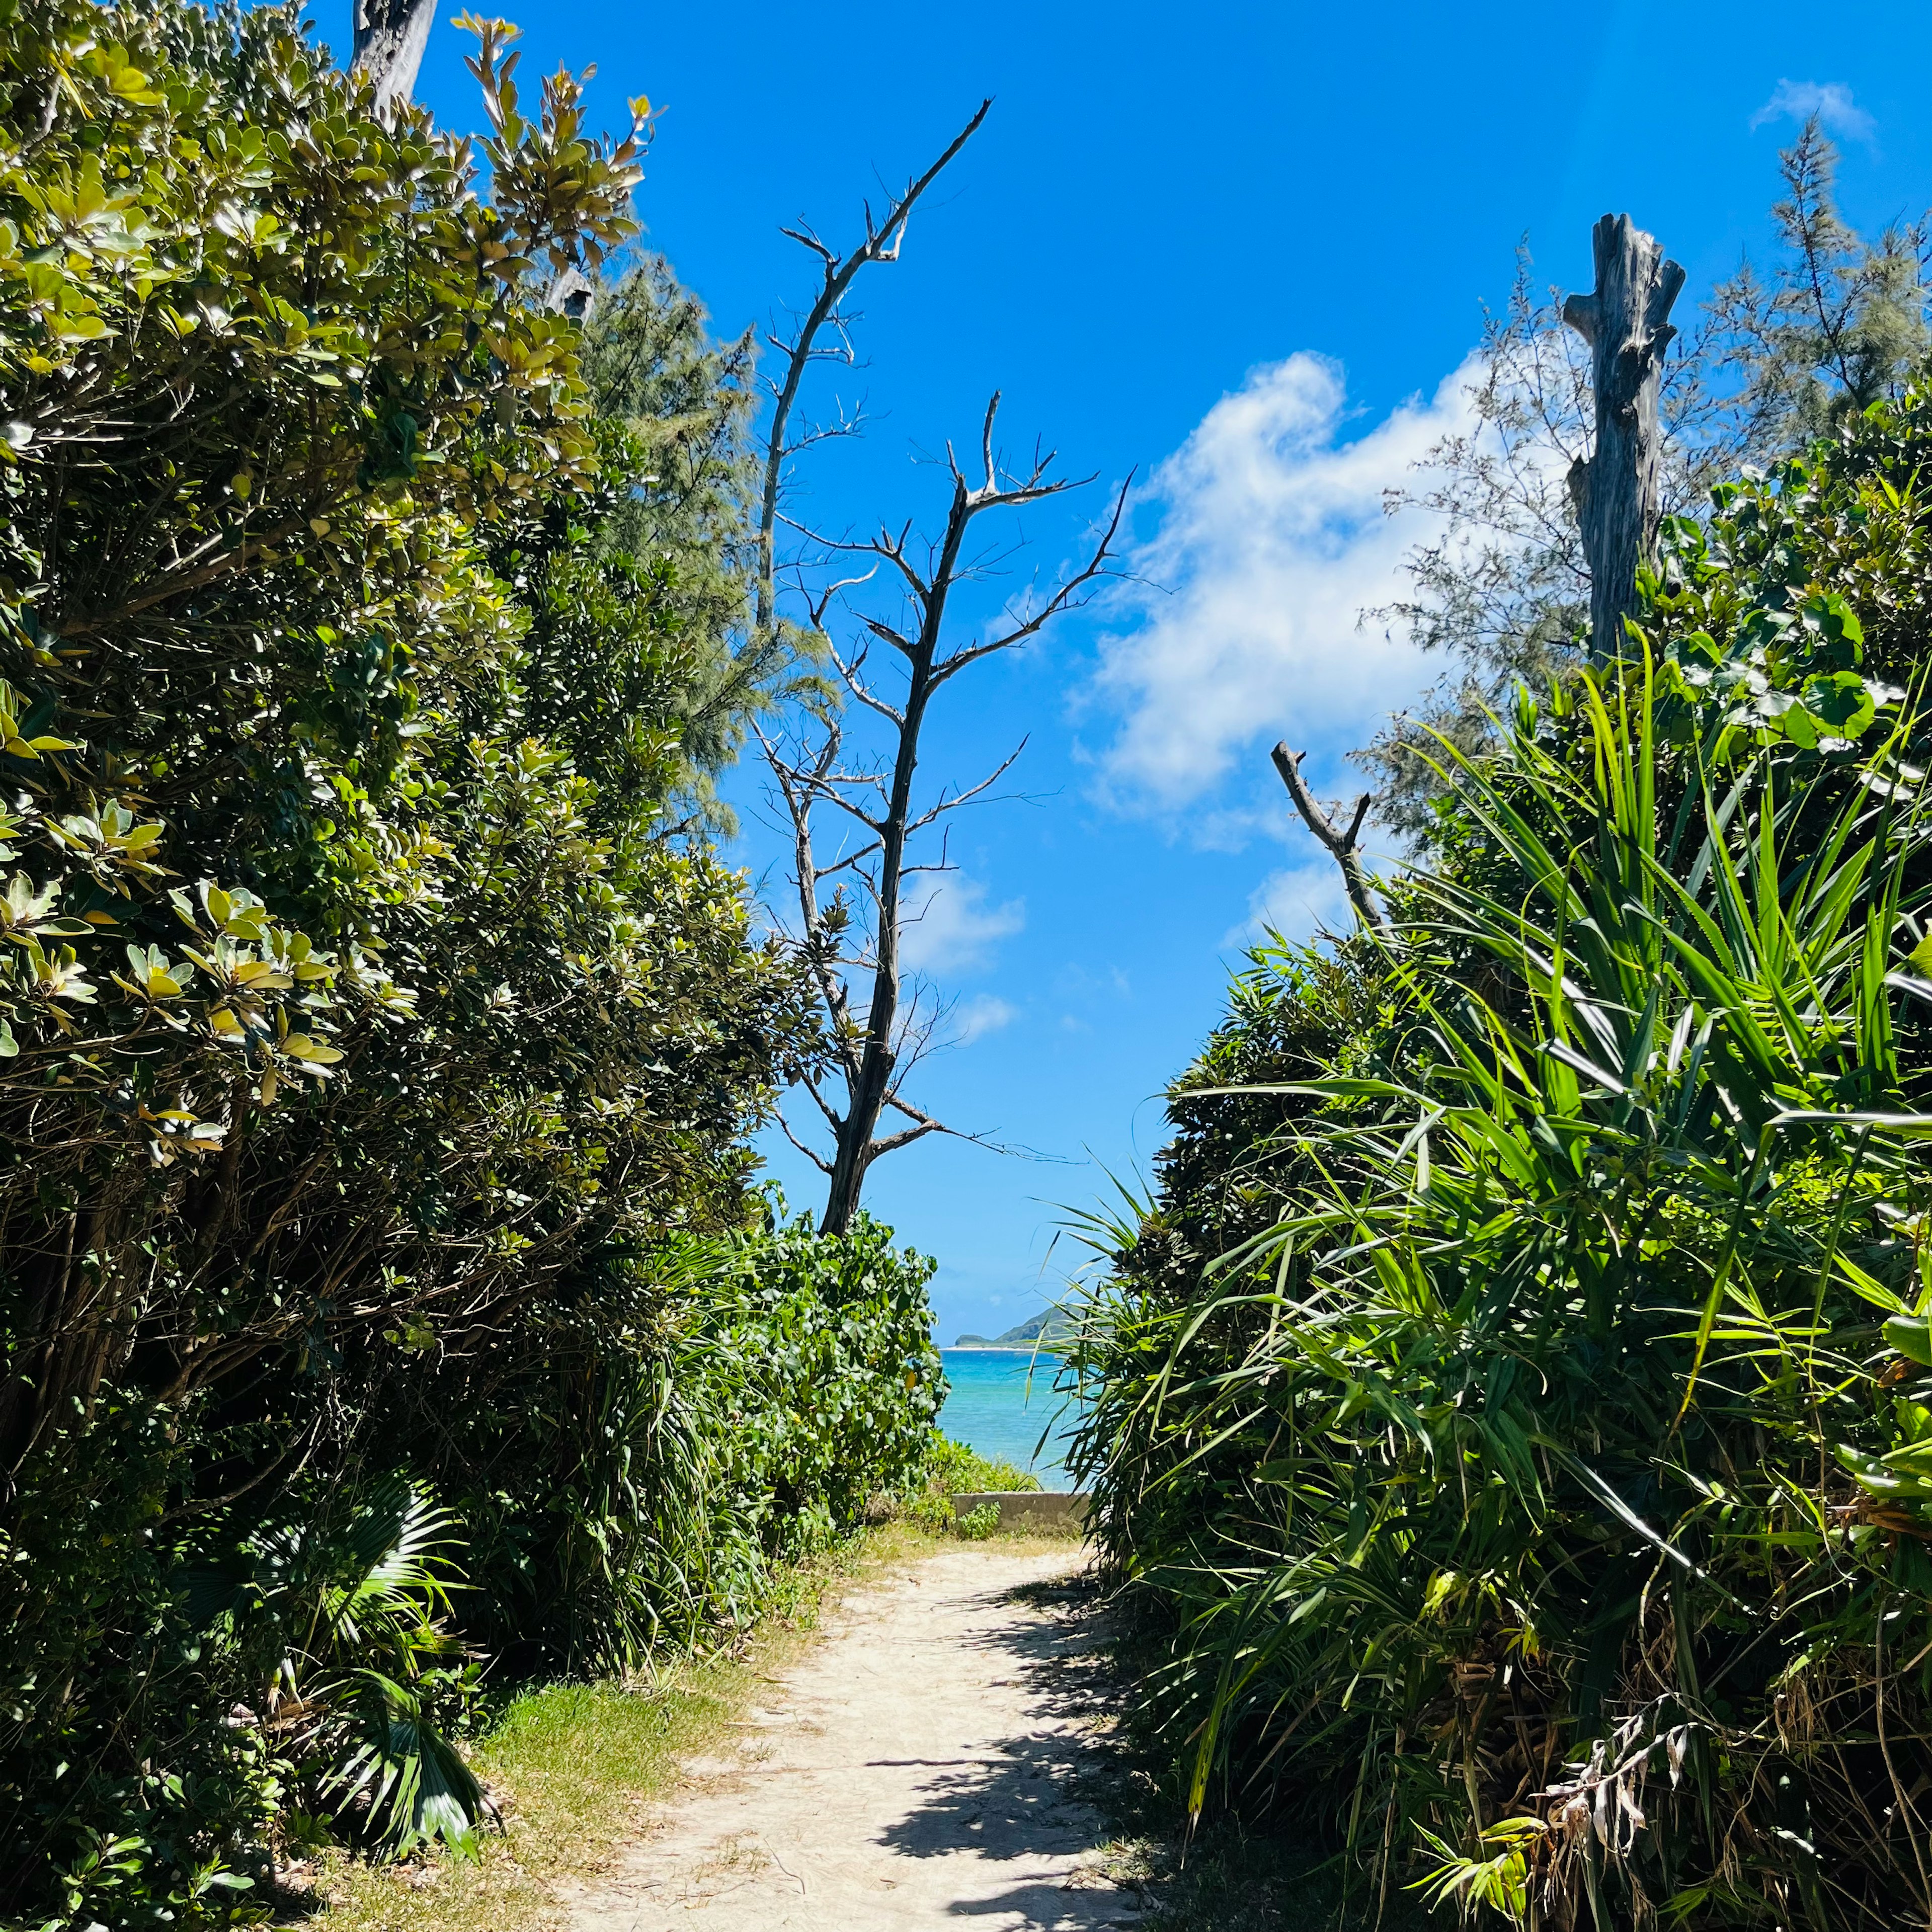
(850, 936)
(1625, 321)
(390, 36)
(1344, 847)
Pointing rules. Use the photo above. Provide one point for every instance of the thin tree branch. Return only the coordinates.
(817, 1160)
(1064, 597)
(832, 1119)
(881, 244)
(952, 804)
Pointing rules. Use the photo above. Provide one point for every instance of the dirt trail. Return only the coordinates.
(915, 1769)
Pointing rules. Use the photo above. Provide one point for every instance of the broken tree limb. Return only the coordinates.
(390, 36)
(1344, 846)
(1625, 320)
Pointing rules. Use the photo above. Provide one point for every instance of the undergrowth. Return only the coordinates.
(953, 1469)
(956, 1470)
(570, 1767)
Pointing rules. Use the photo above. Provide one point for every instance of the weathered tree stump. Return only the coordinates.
(1345, 847)
(1626, 322)
(390, 36)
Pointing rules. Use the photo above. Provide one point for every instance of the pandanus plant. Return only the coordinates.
(1542, 1502)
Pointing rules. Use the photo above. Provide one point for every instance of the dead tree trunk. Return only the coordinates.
(1625, 320)
(874, 1045)
(390, 36)
(1345, 847)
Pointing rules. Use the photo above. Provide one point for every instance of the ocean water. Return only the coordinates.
(1000, 1401)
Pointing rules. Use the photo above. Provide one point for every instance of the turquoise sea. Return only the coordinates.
(1001, 1400)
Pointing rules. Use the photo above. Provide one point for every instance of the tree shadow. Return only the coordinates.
(1039, 1800)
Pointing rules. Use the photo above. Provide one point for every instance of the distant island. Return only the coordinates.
(1041, 1328)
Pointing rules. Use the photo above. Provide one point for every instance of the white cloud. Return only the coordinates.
(1296, 902)
(949, 928)
(1830, 100)
(1273, 540)
(981, 1015)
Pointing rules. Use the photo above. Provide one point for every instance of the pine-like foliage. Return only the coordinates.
(1780, 356)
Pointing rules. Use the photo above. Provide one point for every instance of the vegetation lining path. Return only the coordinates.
(918, 1766)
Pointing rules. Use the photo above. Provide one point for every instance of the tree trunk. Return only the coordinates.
(1625, 321)
(870, 1091)
(390, 38)
(855, 1142)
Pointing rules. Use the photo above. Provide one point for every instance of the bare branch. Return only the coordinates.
(807, 238)
(820, 605)
(881, 245)
(798, 798)
(1341, 845)
(849, 676)
(944, 805)
(851, 861)
(818, 1159)
(928, 1125)
(832, 1120)
(879, 827)
(892, 1143)
(1064, 597)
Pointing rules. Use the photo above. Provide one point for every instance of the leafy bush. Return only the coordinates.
(378, 1037)
(1532, 1485)
(315, 1672)
(771, 1382)
(952, 1468)
(977, 1524)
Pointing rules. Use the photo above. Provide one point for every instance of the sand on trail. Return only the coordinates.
(915, 1768)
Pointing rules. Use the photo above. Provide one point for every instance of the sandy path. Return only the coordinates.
(912, 1770)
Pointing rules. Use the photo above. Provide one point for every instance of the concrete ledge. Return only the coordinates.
(1047, 1508)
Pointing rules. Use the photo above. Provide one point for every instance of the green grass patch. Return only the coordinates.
(573, 1767)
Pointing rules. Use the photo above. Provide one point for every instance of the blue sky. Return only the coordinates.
(1242, 250)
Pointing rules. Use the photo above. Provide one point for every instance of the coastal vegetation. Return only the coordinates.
(1508, 1416)
(391, 1314)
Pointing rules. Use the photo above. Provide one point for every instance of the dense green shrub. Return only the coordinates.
(738, 1399)
(379, 1277)
(1516, 1420)
(952, 1468)
(781, 1381)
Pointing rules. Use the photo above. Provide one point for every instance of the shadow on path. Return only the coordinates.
(1036, 1794)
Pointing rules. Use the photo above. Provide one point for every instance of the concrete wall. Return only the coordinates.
(1046, 1509)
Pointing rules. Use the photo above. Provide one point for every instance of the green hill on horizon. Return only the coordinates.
(1048, 1323)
